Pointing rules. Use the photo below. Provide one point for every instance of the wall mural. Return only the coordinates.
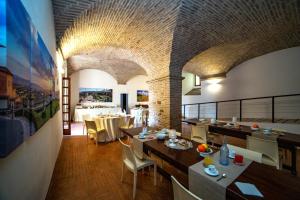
(29, 93)
(95, 95)
(142, 96)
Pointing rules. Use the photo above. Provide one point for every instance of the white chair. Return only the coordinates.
(268, 148)
(88, 118)
(93, 130)
(249, 154)
(139, 116)
(129, 123)
(181, 193)
(199, 134)
(134, 164)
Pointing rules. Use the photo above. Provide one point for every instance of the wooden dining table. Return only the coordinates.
(273, 183)
(287, 140)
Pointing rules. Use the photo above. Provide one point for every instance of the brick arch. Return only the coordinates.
(211, 37)
(115, 61)
(134, 25)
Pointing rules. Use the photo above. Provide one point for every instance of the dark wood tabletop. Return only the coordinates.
(181, 159)
(240, 132)
(287, 140)
(272, 183)
(135, 131)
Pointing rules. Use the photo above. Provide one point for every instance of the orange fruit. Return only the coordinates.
(201, 148)
(205, 146)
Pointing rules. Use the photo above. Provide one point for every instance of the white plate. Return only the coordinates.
(207, 171)
(175, 141)
(254, 129)
(204, 154)
(142, 137)
(172, 145)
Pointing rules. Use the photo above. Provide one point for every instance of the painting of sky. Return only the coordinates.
(27, 71)
(2, 33)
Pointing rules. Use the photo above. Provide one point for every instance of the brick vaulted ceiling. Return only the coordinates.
(205, 37)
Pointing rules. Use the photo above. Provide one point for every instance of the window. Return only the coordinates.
(197, 81)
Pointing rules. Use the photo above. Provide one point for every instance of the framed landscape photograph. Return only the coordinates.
(142, 96)
(28, 96)
(41, 82)
(95, 95)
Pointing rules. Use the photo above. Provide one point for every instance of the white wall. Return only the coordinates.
(93, 78)
(26, 172)
(276, 73)
(134, 84)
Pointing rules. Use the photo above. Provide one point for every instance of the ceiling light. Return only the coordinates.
(214, 80)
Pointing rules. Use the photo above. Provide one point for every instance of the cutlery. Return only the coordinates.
(223, 176)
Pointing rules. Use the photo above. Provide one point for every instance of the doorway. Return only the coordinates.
(124, 102)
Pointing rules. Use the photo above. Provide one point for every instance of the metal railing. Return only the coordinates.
(240, 103)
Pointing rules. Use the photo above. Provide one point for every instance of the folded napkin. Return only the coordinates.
(248, 189)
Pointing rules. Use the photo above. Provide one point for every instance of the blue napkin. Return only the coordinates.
(248, 189)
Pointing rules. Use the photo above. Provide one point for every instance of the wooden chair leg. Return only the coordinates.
(134, 183)
(155, 172)
(161, 166)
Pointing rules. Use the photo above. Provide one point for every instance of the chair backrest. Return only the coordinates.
(267, 147)
(128, 154)
(199, 132)
(249, 154)
(181, 193)
(90, 125)
(131, 122)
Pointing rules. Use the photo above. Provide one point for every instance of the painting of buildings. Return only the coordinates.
(95, 95)
(27, 92)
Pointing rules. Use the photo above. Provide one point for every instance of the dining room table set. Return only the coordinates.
(147, 135)
(210, 177)
(212, 173)
(94, 110)
(285, 140)
(111, 124)
(205, 177)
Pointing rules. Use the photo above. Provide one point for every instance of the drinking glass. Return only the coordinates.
(172, 136)
(208, 160)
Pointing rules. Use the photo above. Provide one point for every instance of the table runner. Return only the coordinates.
(138, 144)
(207, 187)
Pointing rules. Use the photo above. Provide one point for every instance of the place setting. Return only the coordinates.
(174, 143)
(147, 134)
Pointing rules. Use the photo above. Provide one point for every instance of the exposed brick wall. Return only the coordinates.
(162, 36)
(165, 102)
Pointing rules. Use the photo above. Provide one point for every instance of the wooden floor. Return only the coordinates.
(86, 171)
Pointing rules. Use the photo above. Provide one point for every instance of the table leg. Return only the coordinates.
(294, 161)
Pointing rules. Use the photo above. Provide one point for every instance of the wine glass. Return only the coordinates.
(172, 135)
